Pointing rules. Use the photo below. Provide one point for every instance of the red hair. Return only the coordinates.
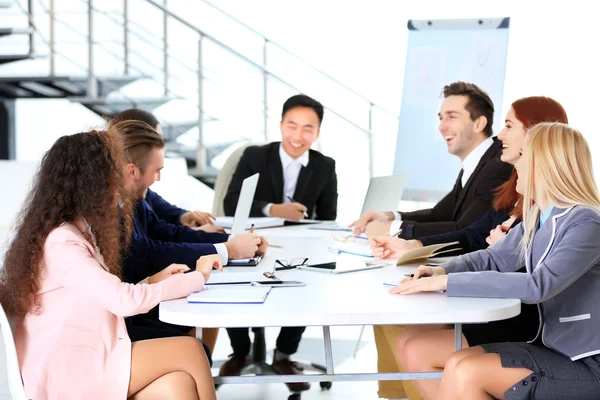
(530, 111)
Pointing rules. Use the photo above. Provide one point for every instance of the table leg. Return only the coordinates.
(328, 350)
(457, 336)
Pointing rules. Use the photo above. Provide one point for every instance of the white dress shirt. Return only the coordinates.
(468, 166)
(291, 170)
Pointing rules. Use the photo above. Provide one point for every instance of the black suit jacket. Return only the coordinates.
(316, 187)
(460, 208)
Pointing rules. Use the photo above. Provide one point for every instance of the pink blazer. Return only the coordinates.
(76, 345)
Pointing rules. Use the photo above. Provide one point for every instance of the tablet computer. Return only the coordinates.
(342, 267)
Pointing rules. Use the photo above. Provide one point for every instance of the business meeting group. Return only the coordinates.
(95, 252)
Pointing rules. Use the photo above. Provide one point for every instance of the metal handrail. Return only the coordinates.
(311, 66)
(248, 60)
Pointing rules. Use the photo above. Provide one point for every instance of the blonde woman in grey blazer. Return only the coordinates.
(559, 244)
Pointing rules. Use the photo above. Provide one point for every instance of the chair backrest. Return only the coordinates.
(15, 383)
(224, 178)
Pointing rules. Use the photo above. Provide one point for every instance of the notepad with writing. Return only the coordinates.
(233, 294)
(423, 253)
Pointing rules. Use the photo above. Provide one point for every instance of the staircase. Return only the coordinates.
(210, 95)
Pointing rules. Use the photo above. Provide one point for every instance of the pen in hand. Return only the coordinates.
(394, 235)
(294, 201)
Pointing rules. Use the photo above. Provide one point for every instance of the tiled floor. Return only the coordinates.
(311, 348)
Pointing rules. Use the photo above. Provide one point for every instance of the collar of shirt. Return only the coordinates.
(470, 162)
(545, 215)
(286, 160)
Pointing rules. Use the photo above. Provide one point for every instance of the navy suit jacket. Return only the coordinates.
(471, 238)
(156, 244)
(163, 209)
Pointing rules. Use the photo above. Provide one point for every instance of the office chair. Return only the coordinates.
(15, 382)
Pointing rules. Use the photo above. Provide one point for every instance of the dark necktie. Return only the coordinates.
(459, 180)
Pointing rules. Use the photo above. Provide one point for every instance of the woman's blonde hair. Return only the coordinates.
(559, 156)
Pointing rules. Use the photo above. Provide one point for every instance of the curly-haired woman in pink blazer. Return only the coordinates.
(61, 279)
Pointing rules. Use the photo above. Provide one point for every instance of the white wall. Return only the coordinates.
(552, 47)
(40, 122)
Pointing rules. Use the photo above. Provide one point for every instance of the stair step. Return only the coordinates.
(15, 31)
(7, 58)
(110, 107)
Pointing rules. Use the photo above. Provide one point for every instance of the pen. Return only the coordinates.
(294, 201)
(275, 246)
(394, 235)
(252, 228)
(413, 275)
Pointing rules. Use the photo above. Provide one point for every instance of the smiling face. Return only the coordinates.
(462, 135)
(522, 167)
(299, 130)
(140, 181)
(512, 137)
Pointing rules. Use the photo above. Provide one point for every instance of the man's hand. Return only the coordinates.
(360, 225)
(194, 218)
(205, 265)
(243, 246)
(262, 248)
(167, 272)
(209, 228)
(292, 211)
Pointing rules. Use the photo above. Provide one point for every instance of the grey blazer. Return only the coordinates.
(563, 278)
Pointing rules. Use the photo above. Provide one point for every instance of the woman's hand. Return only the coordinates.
(167, 272)
(425, 271)
(497, 234)
(391, 247)
(425, 284)
(205, 265)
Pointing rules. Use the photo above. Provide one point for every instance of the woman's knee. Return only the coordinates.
(174, 385)
(463, 373)
(412, 354)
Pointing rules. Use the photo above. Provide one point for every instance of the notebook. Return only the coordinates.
(423, 253)
(258, 222)
(230, 294)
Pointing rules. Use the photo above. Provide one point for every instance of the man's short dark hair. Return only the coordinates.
(479, 102)
(302, 100)
(135, 114)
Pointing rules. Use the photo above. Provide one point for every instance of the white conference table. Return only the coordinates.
(356, 298)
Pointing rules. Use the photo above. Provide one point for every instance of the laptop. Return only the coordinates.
(244, 204)
(384, 194)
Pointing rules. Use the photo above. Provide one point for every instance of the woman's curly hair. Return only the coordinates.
(81, 176)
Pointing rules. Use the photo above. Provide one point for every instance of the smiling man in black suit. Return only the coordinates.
(294, 181)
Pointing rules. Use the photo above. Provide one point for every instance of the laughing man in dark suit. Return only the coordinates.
(466, 119)
(294, 180)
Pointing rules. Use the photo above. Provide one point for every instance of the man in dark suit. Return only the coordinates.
(466, 118)
(294, 181)
(293, 178)
(155, 244)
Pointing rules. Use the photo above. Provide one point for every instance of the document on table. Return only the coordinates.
(230, 294)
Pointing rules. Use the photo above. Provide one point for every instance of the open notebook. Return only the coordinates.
(230, 294)
(423, 253)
